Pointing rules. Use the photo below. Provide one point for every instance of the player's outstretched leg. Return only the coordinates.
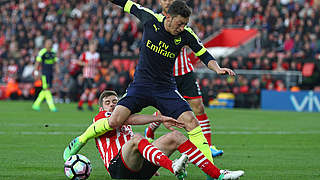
(157, 157)
(197, 158)
(83, 98)
(199, 110)
(73, 148)
(40, 98)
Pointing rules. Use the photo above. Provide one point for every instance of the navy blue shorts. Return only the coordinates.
(168, 101)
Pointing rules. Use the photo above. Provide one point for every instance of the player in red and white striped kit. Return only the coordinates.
(130, 156)
(90, 60)
(188, 87)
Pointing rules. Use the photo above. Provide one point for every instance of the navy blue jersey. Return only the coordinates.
(47, 59)
(159, 49)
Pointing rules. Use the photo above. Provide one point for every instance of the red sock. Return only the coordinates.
(197, 158)
(80, 103)
(89, 103)
(153, 127)
(205, 127)
(154, 155)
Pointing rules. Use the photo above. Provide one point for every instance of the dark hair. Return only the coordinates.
(106, 93)
(179, 7)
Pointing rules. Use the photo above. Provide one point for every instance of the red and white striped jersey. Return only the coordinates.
(111, 142)
(12, 70)
(91, 61)
(183, 64)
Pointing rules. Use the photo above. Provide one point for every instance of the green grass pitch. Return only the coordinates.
(265, 144)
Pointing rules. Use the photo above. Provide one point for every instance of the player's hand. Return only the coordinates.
(36, 73)
(169, 122)
(228, 71)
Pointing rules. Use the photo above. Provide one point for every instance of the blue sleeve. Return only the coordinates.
(197, 47)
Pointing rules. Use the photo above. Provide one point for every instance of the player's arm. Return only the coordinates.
(81, 60)
(36, 66)
(57, 67)
(99, 62)
(197, 47)
(140, 119)
(142, 13)
(38, 61)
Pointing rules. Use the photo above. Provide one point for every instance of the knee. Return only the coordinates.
(177, 138)
(197, 106)
(135, 140)
(190, 122)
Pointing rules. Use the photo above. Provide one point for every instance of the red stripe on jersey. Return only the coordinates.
(102, 145)
(183, 64)
(180, 63)
(111, 142)
(185, 61)
(91, 61)
(189, 66)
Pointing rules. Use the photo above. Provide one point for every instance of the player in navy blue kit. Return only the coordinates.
(47, 59)
(154, 84)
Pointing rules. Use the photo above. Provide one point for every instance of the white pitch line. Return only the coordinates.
(216, 132)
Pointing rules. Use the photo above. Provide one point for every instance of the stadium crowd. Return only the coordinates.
(289, 37)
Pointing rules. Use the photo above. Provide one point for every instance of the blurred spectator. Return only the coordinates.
(225, 62)
(254, 97)
(13, 91)
(257, 64)
(66, 88)
(266, 65)
(27, 73)
(280, 86)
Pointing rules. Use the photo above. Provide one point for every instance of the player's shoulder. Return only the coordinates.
(42, 51)
(145, 12)
(102, 115)
(157, 16)
(188, 31)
